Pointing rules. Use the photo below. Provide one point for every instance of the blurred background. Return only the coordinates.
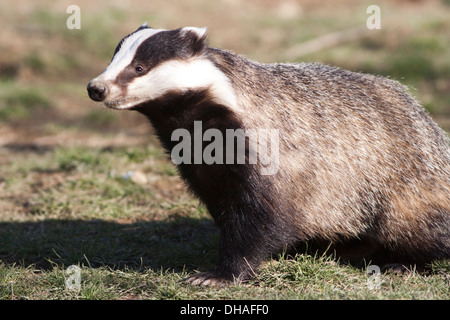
(44, 66)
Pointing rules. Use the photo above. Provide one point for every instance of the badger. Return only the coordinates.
(361, 168)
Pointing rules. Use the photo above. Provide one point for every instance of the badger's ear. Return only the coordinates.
(199, 32)
(195, 37)
(144, 26)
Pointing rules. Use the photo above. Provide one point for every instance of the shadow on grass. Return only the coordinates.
(181, 244)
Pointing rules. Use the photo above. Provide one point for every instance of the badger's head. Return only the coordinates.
(150, 63)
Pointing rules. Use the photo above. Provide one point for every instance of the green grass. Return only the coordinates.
(21, 102)
(300, 277)
(131, 244)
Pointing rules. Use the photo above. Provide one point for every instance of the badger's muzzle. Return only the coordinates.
(97, 90)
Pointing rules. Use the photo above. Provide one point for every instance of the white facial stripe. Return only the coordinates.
(126, 53)
(176, 75)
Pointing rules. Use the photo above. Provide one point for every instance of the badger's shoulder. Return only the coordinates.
(318, 77)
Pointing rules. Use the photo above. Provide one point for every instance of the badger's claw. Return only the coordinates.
(207, 279)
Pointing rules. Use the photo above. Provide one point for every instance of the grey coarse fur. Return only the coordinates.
(362, 164)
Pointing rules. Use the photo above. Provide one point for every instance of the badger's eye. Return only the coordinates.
(139, 69)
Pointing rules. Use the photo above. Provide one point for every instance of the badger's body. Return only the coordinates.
(361, 165)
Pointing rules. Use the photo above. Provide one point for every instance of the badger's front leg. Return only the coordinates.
(236, 263)
(233, 265)
(247, 237)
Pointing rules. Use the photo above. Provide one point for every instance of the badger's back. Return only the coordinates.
(360, 159)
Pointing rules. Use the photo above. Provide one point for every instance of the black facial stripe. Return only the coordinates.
(151, 52)
(156, 49)
(125, 77)
(167, 45)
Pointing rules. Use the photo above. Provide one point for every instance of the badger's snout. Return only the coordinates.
(97, 90)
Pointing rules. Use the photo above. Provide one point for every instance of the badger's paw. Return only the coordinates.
(211, 279)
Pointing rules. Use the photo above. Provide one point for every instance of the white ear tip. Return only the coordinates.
(199, 31)
(144, 26)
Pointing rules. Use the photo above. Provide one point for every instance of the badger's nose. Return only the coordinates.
(97, 91)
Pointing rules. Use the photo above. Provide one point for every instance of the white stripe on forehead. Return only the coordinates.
(127, 51)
